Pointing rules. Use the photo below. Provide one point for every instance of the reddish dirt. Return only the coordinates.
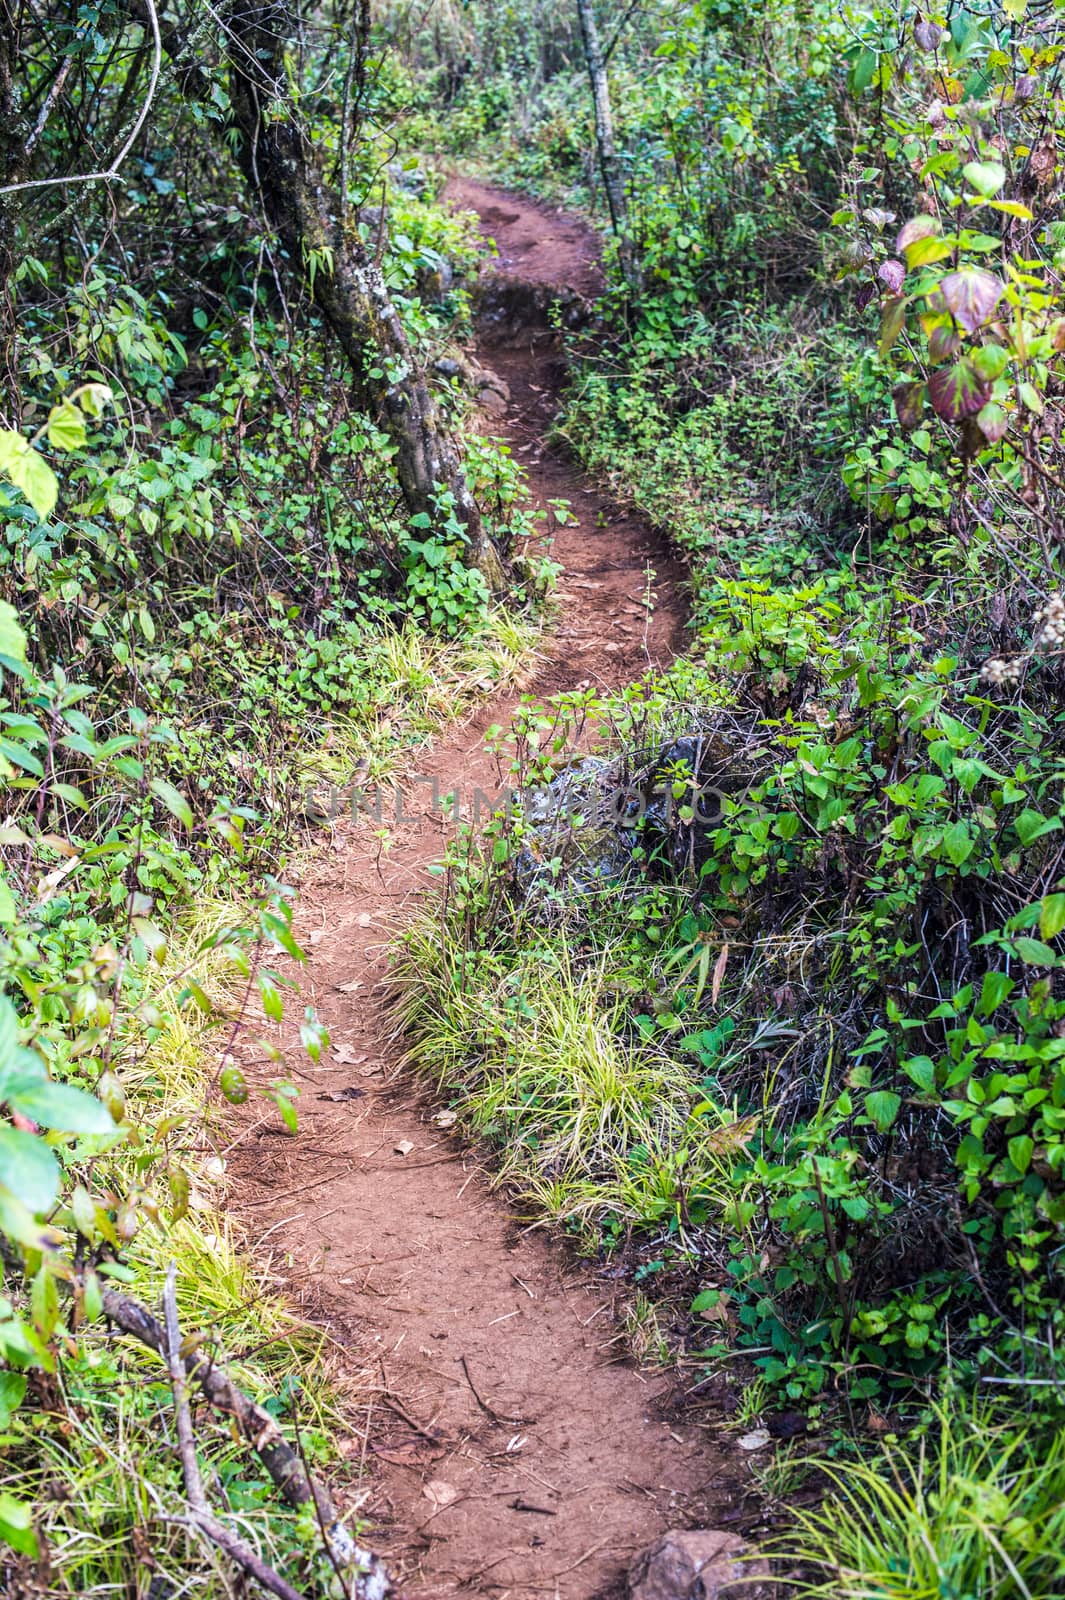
(494, 1364)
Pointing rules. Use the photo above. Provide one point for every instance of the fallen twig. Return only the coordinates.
(496, 1416)
(280, 1460)
(200, 1516)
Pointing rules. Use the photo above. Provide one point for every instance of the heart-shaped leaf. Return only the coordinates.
(917, 228)
(957, 391)
(893, 274)
(927, 35)
(986, 177)
(909, 404)
(971, 296)
(992, 422)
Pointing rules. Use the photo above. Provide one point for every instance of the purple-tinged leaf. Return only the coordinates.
(917, 228)
(971, 296)
(909, 404)
(863, 294)
(927, 35)
(943, 339)
(957, 391)
(878, 218)
(992, 422)
(893, 274)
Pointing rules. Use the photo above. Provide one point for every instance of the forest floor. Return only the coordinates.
(511, 1443)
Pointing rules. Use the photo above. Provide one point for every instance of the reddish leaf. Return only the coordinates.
(917, 228)
(863, 294)
(957, 391)
(893, 274)
(927, 35)
(909, 404)
(971, 296)
(943, 340)
(992, 422)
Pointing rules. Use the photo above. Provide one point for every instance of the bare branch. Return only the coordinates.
(372, 1581)
(619, 30)
(112, 172)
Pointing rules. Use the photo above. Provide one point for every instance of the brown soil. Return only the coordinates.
(512, 1443)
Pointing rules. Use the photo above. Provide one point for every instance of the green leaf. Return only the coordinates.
(66, 427)
(1052, 915)
(892, 323)
(958, 843)
(921, 1071)
(16, 1526)
(62, 1107)
(271, 998)
(12, 638)
(29, 472)
(1031, 825)
(233, 1085)
(922, 252)
(864, 70)
(1019, 1150)
(28, 1168)
(883, 1106)
(986, 177)
(996, 989)
(1034, 952)
(13, 1387)
(174, 801)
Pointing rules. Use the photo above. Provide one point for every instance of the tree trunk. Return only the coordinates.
(285, 171)
(609, 165)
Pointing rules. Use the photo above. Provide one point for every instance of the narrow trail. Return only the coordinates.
(510, 1442)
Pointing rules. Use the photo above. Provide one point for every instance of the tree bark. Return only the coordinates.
(609, 165)
(286, 173)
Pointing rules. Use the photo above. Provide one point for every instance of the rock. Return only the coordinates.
(448, 367)
(491, 400)
(698, 1564)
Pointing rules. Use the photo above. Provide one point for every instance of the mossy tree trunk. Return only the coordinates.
(285, 171)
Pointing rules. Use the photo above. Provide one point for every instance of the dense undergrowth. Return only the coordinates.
(214, 598)
(767, 1001)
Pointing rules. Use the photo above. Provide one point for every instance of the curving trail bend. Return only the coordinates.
(483, 1359)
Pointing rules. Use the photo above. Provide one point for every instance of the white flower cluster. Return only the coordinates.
(1000, 672)
(1049, 624)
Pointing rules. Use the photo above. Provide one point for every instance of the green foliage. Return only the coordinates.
(974, 1508)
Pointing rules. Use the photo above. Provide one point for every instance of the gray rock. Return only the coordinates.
(699, 1564)
(447, 367)
(491, 400)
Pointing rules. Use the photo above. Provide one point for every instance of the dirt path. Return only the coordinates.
(513, 1445)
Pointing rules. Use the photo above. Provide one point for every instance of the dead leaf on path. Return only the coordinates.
(364, 919)
(350, 986)
(404, 1147)
(445, 1119)
(756, 1440)
(440, 1493)
(343, 1054)
(350, 1093)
